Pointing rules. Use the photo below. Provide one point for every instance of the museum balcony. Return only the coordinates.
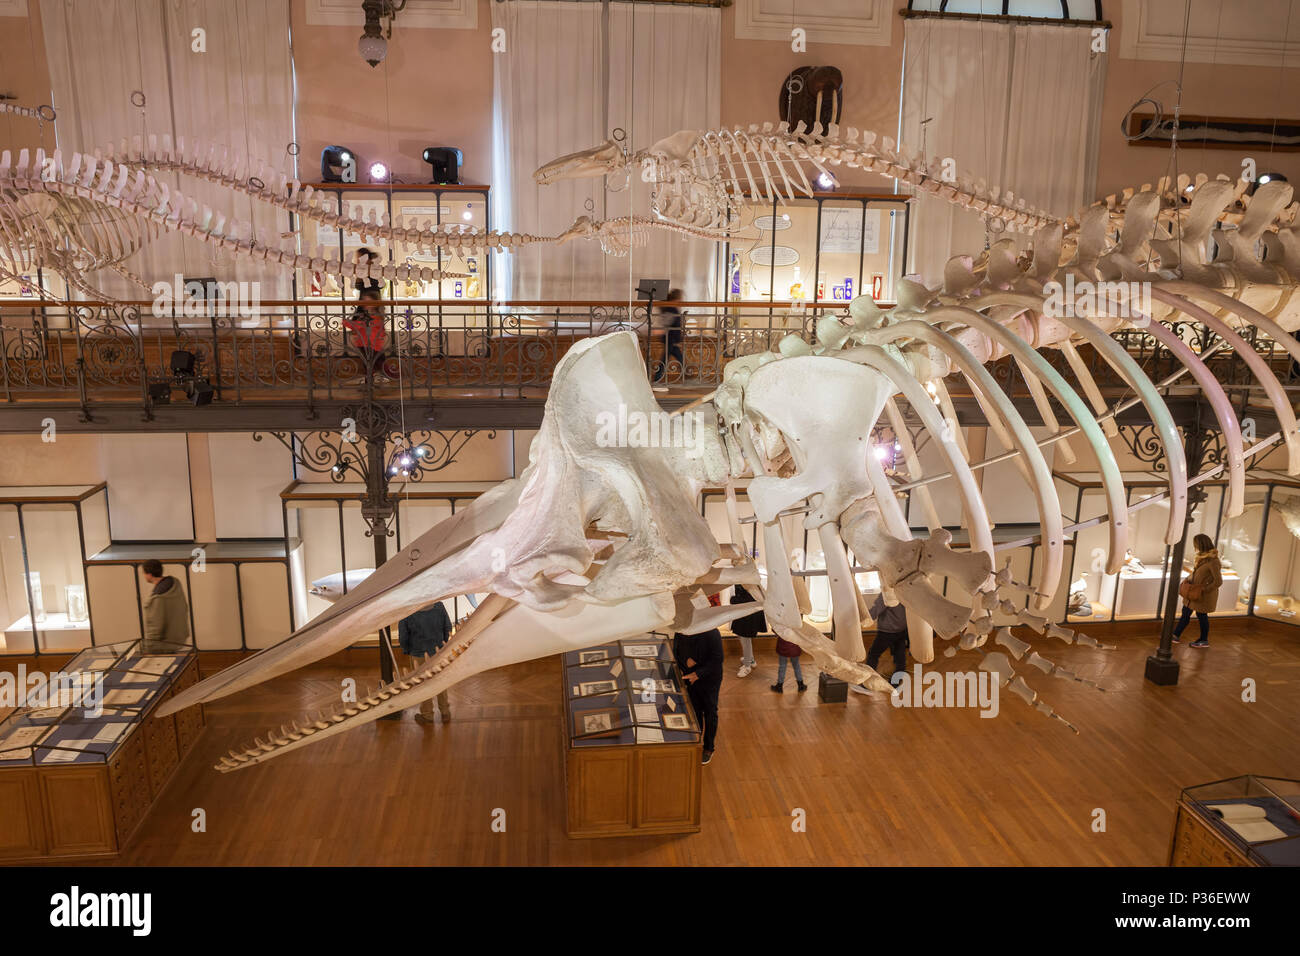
(109, 366)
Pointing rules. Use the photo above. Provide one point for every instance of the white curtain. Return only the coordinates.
(238, 93)
(1018, 106)
(569, 77)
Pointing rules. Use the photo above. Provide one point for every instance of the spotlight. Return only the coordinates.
(1263, 178)
(160, 393)
(881, 452)
(183, 364)
(338, 164)
(826, 182)
(445, 162)
(201, 392)
(379, 173)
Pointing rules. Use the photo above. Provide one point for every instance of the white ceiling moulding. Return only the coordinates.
(1249, 34)
(13, 8)
(853, 22)
(429, 14)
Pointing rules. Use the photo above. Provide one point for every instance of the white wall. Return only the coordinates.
(247, 478)
(148, 487)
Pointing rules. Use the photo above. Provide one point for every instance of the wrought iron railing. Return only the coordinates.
(308, 349)
(427, 349)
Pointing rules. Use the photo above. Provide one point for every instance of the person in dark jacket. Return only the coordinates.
(166, 613)
(746, 628)
(891, 635)
(422, 634)
(671, 327)
(699, 658)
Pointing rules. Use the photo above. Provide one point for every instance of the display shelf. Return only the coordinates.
(632, 741)
(1242, 821)
(442, 206)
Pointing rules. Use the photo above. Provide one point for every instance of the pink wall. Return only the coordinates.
(23, 74)
(1209, 89)
(754, 72)
(433, 89)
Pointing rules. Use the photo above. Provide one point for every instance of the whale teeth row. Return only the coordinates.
(291, 733)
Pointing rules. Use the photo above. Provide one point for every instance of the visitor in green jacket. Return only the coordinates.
(166, 612)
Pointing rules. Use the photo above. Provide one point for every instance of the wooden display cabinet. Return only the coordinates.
(1241, 821)
(91, 803)
(632, 753)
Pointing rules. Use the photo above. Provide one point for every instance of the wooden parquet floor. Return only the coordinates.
(879, 785)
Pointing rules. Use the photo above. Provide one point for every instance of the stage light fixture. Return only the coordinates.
(335, 161)
(201, 392)
(826, 182)
(445, 163)
(380, 173)
(160, 393)
(1263, 178)
(183, 364)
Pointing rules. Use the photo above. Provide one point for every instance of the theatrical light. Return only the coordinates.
(182, 364)
(160, 393)
(445, 163)
(379, 173)
(201, 392)
(467, 215)
(881, 452)
(826, 182)
(1263, 178)
(334, 160)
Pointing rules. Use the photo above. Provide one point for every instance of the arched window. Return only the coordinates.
(1031, 9)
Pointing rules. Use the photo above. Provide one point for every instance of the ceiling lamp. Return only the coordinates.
(373, 45)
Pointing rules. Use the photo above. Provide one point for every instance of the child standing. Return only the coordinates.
(788, 652)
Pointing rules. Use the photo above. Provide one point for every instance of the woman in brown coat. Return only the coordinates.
(1200, 591)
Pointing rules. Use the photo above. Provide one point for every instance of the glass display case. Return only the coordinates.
(47, 533)
(328, 548)
(627, 693)
(84, 759)
(1138, 591)
(91, 704)
(1252, 818)
(441, 206)
(632, 743)
(823, 250)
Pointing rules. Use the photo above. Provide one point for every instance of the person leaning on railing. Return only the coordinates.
(367, 321)
(670, 326)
